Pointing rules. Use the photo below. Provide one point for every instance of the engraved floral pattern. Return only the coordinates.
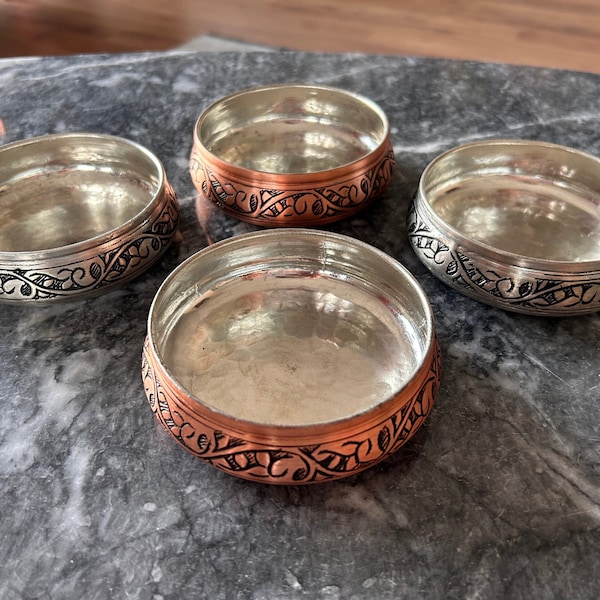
(289, 464)
(529, 291)
(98, 271)
(320, 204)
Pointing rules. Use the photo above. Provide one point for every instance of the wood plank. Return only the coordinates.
(554, 33)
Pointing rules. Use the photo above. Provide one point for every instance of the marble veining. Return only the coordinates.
(498, 496)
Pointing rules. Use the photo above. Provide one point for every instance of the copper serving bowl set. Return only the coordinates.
(291, 354)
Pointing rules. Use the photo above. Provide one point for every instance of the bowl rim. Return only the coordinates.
(82, 246)
(469, 244)
(368, 416)
(293, 177)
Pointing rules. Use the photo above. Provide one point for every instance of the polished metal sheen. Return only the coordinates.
(291, 155)
(288, 343)
(513, 223)
(79, 214)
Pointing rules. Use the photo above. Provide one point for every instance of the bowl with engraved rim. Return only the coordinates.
(80, 213)
(514, 224)
(291, 155)
(291, 356)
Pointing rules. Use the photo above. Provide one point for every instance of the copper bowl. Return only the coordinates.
(291, 155)
(514, 224)
(291, 356)
(80, 213)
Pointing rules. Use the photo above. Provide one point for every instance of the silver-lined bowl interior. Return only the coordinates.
(292, 129)
(56, 191)
(291, 328)
(529, 199)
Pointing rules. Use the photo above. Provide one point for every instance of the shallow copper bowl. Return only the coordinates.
(514, 224)
(291, 155)
(80, 213)
(291, 356)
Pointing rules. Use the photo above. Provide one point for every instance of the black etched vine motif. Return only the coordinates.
(288, 464)
(109, 265)
(315, 204)
(526, 290)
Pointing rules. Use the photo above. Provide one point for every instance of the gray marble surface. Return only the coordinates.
(498, 496)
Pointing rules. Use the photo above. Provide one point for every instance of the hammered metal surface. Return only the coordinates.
(79, 215)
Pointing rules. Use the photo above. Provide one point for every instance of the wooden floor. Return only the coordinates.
(553, 33)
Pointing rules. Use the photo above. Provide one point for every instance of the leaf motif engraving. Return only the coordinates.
(97, 271)
(248, 202)
(533, 292)
(275, 464)
(383, 439)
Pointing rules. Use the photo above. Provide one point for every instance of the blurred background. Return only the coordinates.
(552, 33)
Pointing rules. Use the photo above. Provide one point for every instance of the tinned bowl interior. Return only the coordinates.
(289, 338)
(292, 129)
(79, 214)
(56, 191)
(291, 155)
(528, 203)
